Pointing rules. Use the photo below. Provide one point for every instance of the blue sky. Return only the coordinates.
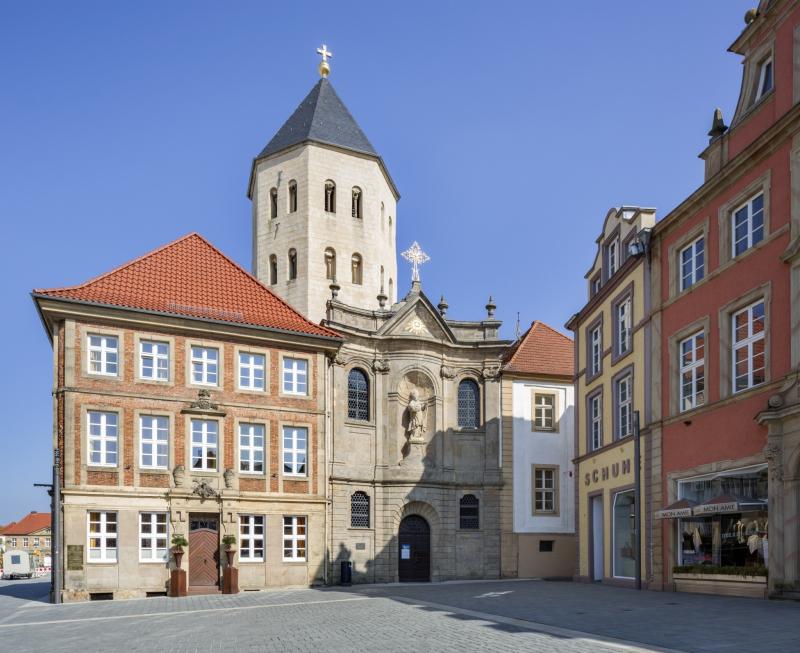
(509, 128)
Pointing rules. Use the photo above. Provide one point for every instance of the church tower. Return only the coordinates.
(324, 209)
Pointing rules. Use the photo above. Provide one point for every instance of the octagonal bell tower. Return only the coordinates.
(324, 208)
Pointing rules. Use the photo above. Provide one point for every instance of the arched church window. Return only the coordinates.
(382, 278)
(468, 404)
(468, 512)
(356, 210)
(273, 203)
(292, 196)
(292, 263)
(330, 263)
(357, 265)
(357, 395)
(383, 217)
(273, 269)
(330, 197)
(359, 510)
(391, 290)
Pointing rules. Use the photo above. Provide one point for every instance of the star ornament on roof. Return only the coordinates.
(416, 257)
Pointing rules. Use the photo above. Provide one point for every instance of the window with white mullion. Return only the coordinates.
(204, 444)
(596, 421)
(764, 78)
(692, 371)
(103, 354)
(294, 538)
(153, 537)
(692, 262)
(102, 536)
(749, 355)
(251, 538)
(612, 254)
(251, 371)
(295, 442)
(251, 448)
(747, 225)
(103, 438)
(624, 326)
(624, 407)
(154, 360)
(596, 349)
(205, 365)
(295, 376)
(153, 441)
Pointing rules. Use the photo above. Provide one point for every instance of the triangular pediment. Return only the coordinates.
(417, 318)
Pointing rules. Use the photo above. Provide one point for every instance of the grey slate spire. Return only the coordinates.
(321, 117)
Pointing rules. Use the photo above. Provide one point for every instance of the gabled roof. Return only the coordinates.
(30, 523)
(321, 117)
(193, 278)
(541, 350)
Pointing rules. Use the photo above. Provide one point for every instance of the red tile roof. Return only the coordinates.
(541, 350)
(192, 277)
(30, 523)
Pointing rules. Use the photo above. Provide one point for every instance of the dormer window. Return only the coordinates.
(356, 208)
(764, 78)
(330, 197)
(292, 196)
(595, 285)
(612, 258)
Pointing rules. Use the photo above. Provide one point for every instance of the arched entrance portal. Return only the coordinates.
(414, 539)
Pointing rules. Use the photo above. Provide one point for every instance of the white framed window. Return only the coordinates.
(295, 443)
(747, 225)
(251, 371)
(612, 257)
(545, 490)
(692, 262)
(765, 80)
(153, 441)
(205, 365)
(623, 391)
(103, 438)
(692, 371)
(596, 421)
(251, 538)
(295, 376)
(153, 537)
(47, 542)
(544, 407)
(623, 319)
(749, 355)
(154, 360)
(294, 538)
(596, 283)
(36, 541)
(251, 448)
(25, 542)
(102, 536)
(103, 354)
(12, 542)
(596, 349)
(205, 444)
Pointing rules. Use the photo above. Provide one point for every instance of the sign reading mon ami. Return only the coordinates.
(609, 471)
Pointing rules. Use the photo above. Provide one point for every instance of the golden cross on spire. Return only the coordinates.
(324, 67)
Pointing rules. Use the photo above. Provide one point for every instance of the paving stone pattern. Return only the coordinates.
(528, 616)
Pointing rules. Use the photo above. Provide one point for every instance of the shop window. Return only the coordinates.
(624, 535)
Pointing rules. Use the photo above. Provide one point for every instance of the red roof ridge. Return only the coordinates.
(121, 267)
(555, 360)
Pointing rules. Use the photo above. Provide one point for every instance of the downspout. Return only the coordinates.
(328, 420)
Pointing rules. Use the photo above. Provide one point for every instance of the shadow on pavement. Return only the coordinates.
(27, 590)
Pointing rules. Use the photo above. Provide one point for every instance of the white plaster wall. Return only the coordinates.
(543, 448)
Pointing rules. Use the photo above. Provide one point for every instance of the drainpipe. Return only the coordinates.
(328, 457)
(637, 514)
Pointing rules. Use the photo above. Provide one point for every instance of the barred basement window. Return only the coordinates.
(468, 512)
(357, 395)
(468, 404)
(359, 510)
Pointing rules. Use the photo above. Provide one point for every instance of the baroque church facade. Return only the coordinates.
(413, 396)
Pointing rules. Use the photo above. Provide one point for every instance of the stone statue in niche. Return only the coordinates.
(416, 417)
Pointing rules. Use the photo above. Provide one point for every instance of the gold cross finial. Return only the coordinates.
(324, 67)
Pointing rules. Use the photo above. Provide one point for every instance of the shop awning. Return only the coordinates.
(727, 504)
(680, 508)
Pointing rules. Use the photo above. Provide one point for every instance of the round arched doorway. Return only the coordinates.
(414, 540)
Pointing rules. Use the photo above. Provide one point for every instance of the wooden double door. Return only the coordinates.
(414, 539)
(203, 550)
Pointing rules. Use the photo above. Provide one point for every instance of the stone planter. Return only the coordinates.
(229, 553)
(721, 584)
(177, 553)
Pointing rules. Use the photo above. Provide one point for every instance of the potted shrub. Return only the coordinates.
(230, 547)
(178, 542)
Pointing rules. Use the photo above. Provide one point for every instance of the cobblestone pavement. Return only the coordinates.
(479, 616)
